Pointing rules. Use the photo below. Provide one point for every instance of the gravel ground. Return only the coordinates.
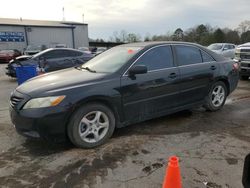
(211, 147)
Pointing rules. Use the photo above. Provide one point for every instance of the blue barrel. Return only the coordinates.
(25, 72)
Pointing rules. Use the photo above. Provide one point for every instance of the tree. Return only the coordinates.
(123, 36)
(219, 35)
(245, 37)
(147, 37)
(232, 37)
(178, 35)
(244, 26)
(133, 37)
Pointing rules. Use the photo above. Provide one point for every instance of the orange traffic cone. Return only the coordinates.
(173, 175)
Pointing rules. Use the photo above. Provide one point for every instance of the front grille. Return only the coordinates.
(245, 64)
(243, 56)
(14, 101)
(245, 50)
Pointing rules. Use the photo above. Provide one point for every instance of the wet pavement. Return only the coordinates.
(211, 147)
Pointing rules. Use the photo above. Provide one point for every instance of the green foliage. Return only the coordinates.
(219, 36)
(245, 37)
(201, 34)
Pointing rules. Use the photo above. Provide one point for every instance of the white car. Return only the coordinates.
(225, 49)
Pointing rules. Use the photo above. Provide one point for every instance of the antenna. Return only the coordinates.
(82, 17)
(63, 14)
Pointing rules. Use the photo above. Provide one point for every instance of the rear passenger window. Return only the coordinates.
(157, 58)
(74, 53)
(188, 55)
(206, 57)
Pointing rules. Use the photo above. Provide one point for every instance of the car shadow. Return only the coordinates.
(45, 148)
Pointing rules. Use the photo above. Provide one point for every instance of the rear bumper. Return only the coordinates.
(5, 59)
(233, 80)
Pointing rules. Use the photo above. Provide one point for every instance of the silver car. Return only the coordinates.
(225, 49)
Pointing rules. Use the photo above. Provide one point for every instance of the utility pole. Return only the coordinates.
(63, 14)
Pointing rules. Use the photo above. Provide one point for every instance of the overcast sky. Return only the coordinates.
(137, 16)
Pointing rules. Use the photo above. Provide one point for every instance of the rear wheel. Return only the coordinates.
(244, 77)
(216, 97)
(91, 125)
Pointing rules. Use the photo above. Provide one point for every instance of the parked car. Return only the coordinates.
(242, 54)
(124, 85)
(85, 49)
(60, 46)
(7, 55)
(225, 49)
(51, 60)
(99, 50)
(34, 49)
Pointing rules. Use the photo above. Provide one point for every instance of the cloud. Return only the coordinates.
(140, 16)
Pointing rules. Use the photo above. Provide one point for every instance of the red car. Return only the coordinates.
(7, 55)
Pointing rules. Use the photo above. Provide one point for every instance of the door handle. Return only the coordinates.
(213, 67)
(172, 75)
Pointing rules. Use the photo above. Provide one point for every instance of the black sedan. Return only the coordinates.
(50, 60)
(124, 85)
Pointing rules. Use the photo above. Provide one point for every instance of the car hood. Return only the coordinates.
(59, 81)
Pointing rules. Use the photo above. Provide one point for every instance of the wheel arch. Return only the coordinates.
(104, 100)
(225, 81)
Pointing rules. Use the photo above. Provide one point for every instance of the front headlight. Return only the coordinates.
(43, 102)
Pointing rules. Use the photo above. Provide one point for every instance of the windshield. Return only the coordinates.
(111, 60)
(215, 46)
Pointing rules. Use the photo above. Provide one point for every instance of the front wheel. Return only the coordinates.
(216, 97)
(91, 125)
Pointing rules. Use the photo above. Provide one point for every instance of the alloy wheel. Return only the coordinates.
(218, 96)
(93, 126)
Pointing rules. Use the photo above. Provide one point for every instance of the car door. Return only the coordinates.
(226, 51)
(197, 70)
(154, 92)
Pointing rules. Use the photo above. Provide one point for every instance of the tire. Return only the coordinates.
(244, 77)
(91, 120)
(215, 101)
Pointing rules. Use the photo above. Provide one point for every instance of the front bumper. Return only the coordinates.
(45, 123)
(245, 67)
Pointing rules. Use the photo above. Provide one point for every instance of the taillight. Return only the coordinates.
(236, 66)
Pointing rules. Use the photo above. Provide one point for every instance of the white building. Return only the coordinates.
(19, 33)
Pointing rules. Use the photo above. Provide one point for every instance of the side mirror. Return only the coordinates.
(224, 49)
(137, 69)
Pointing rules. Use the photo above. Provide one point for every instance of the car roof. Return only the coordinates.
(222, 43)
(156, 43)
(150, 44)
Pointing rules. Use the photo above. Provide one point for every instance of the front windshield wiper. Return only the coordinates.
(86, 68)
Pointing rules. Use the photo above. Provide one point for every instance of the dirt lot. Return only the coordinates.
(211, 147)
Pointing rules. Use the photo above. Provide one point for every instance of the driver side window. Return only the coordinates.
(157, 58)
